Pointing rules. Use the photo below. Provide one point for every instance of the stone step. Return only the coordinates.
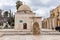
(14, 33)
(49, 32)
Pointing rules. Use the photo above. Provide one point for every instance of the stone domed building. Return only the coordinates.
(24, 7)
(26, 21)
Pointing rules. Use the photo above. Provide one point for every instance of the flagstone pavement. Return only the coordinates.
(30, 37)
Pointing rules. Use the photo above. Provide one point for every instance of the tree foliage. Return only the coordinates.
(18, 4)
(6, 14)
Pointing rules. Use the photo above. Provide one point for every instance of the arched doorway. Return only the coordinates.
(36, 29)
(25, 26)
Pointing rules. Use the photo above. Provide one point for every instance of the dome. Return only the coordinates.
(24, 7)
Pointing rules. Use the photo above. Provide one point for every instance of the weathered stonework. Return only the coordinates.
(25, 14)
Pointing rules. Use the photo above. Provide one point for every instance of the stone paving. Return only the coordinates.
(30, 37)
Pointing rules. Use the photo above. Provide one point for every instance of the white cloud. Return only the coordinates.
(41, 7)
(42, 12)
(45, 1)
(0, 4)
(6, 2)
(59, 1)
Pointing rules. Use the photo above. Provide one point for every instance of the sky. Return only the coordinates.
(40, 7)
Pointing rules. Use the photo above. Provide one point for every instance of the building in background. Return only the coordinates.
(46, 23)
(54, 20)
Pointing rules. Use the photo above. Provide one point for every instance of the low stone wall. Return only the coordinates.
(14, 32)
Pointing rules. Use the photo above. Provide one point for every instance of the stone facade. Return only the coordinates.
(25, 15)
(54, 14)
(54, 20)
(25, 23)
(46, 23)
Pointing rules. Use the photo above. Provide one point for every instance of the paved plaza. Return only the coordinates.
(30, 37)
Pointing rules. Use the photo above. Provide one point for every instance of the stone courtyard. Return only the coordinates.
(30, 37)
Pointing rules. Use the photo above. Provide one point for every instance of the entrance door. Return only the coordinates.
(36, 29)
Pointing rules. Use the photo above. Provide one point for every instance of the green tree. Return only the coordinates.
(6, 14)
(18, 4)
(11, 21)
